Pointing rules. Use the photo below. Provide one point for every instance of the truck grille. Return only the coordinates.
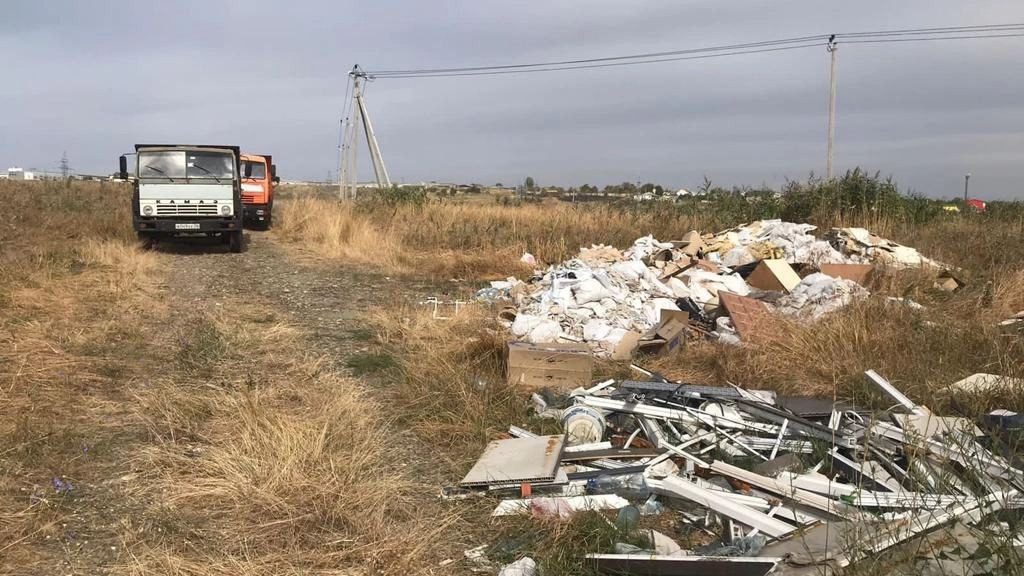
(186, 210)
(248, 198)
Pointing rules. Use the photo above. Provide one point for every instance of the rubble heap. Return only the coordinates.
(795, 484)
(604, 295)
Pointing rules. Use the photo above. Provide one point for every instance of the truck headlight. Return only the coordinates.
(225, 209)
(147, 210)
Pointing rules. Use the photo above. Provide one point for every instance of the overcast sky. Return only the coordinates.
(93, 78)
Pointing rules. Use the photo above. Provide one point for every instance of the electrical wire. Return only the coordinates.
(944, 30)
(764, 43)
(605, 65)
(866, 37)
(889, 40)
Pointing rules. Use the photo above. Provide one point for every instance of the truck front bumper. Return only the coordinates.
(255, 212)
(187, 225)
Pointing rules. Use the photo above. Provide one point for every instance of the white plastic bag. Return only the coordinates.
(545, 331)
(524, 324)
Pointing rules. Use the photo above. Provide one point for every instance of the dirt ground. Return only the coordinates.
(110, 509)
(326, 301)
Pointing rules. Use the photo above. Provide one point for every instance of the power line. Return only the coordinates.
(944, 30)
(606, 59)
(879, 36)
(605, 65)
(889, 40)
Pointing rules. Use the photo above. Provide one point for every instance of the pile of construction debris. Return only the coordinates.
(614, 299)
(787, 484)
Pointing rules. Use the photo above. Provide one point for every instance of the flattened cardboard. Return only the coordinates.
(707, 265)
(667, 315)
(774, 275)
(626, 347)
(692, 243)
(948, 282)
(859, 273)
(670, 270)
(554, 365)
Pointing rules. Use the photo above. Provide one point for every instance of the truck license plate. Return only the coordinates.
(187, 226)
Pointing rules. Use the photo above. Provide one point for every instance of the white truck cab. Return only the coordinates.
(187, 190)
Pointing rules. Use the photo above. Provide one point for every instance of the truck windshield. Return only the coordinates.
(192, 164)
(259, 169)
(210, 165)
(170, 164)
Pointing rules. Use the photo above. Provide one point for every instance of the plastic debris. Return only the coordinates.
(523, 567)
(818, 294)
(865, 246)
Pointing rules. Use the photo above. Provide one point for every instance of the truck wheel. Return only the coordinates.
(147, 240)
(270, 219)
(236, 241)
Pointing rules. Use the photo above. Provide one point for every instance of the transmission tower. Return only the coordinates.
(65, 168)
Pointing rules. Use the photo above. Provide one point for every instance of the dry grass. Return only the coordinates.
(200, 443)
(285, 471)
(451, 382)
(452, 387)
(214, 442)
(453, 239)
(444, 238)
(925, 351)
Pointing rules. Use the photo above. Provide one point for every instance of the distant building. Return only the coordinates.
(16, 173)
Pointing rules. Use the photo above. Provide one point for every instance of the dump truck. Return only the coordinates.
(186, 190)
(259, 177)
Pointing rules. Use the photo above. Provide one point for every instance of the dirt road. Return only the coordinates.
(327, 301)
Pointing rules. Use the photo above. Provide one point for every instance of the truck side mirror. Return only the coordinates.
(123, 168)
(273, 174)
(248, 169)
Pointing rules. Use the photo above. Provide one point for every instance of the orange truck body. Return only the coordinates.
(259, 178)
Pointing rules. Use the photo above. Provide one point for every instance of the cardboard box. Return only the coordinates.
(859, 273)
(554, 365)
(669, 335)
(774, 275)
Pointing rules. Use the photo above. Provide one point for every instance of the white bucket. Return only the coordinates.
(583, 425)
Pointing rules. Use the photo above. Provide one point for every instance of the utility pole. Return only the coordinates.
(348, 179)
(381, 171)
(832, 49)
(967, 182)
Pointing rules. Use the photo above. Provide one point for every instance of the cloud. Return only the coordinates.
(95, 78)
